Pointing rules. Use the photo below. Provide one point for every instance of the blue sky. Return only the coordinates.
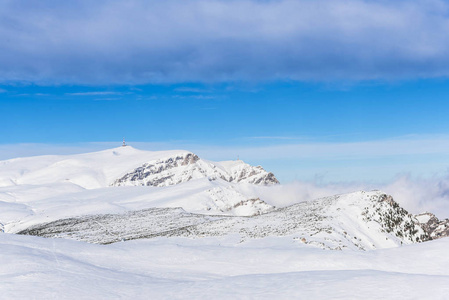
(269, 113)
(312, 90)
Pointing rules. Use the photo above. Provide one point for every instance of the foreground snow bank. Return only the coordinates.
(180, 268)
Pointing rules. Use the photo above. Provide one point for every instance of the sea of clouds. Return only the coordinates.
(416, 195)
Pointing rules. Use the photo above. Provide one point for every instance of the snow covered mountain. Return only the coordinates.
(125, 193)
(126, 166)
(47, 188)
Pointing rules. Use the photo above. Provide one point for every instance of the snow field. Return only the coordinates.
(179, 268)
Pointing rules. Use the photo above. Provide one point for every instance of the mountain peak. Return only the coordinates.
(114, 166)
(186, 166)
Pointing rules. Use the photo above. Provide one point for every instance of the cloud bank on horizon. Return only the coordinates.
(415, 195)
(138, 42)
(374, 162)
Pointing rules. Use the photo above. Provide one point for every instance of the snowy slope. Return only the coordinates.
(90, 170)
(358, 221)
(27, 205)
(361, 220)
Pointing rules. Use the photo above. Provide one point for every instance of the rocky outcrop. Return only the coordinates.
(434, 228)
(395, 219)
(253, 175)
(229, 200)
(164, 172)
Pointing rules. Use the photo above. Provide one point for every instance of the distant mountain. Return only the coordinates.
(187, 166)
(127, 166)
(89, 170)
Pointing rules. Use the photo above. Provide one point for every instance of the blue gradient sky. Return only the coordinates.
(321, 90)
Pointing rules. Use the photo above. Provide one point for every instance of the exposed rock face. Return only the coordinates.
(394, 219)
(170, 171)
(254, 175)
(434, 228)
(187, 166)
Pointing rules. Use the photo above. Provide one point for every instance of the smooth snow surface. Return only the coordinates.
(178, 268)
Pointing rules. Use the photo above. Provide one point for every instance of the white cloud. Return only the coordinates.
(420, 195)
(191, 90)
(407, 146)
(401, 146)
(94, 93)
(137, 41)
(275, 138)
(415, 195)
(8, 151)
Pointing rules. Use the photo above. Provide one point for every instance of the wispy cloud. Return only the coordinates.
(274, 138)
(141, 41)
(191, 90)
(3, 91)
(197, 97)
(94, 93)
(406, 145)
(107, 99)
(411, 145)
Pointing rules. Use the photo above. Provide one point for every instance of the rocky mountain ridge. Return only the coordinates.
(188, 166)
